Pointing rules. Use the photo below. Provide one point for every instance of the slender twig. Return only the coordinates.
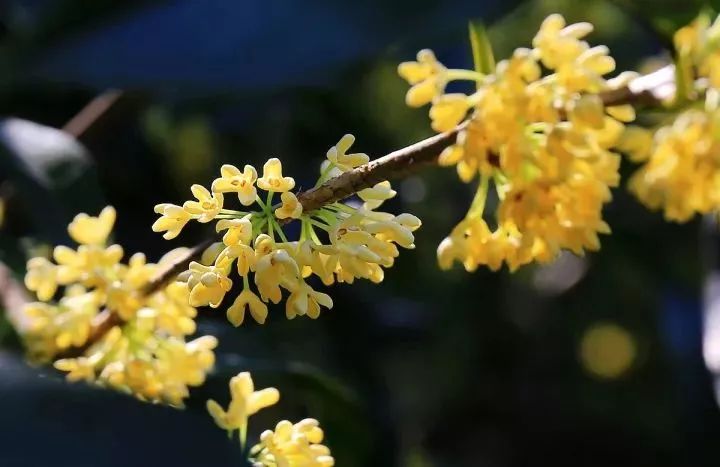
(107, 319)
(91, 112)
(651, 89)
(176, 267)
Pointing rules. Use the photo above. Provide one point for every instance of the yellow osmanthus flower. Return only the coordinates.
(207, 206)
(682, 173)
(239, 231)
(427, 76)
(698, 49)
(148, 356)
(41, 277)
(291, 207)
(338, 156)
(247, 300)
(292, 445)
(208, 284)
(90, 230)
(356, 242)
(172, 221)
(245, 401)
(289, 445)
(272, 179)
(543, 140)
(234, 181)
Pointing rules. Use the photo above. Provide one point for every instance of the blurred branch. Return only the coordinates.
(650, 89)
(13, 296)
(91, 112)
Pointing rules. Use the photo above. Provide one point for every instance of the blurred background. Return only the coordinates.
(590, 361)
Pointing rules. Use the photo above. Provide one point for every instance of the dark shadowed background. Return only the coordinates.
(591, 361)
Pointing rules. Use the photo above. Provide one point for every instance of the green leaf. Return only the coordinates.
(483, 58)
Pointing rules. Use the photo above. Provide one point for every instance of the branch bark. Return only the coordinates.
(651, 89)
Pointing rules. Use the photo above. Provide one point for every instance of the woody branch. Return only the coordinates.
(647, 90)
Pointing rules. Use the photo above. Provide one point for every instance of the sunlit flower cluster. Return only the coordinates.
(543, 140)
(297, 444)
(147, 354)
(336, 243)
(682, 173)
(681, 170)
(698, 49)
(289, 445)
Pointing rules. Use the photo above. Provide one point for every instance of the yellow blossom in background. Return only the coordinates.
(698, 49)
(682, 173)
(147, 354)
(336, 243)
(427, 76)
(245, 401)
(543, 140)
(292, 445)
(90, 230)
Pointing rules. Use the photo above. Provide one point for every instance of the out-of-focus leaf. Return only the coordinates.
(309, 375)
(51, 172)
(483, 57)
(663, 16)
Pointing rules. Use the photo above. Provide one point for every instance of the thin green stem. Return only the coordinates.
(232, 211)
(268, 203)
(313, 235)
(469, 75)
(319, 225)
(478, 203)
(279, 230)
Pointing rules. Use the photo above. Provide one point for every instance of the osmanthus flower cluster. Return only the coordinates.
(289, 445)
(681, 161)
(148, 354)
(537, 130)
(336, 243)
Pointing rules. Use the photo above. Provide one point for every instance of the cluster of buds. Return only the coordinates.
(681, 161)
(292, 445)
(289, 444)
(337, 243)
(543, 140)
(147, 355)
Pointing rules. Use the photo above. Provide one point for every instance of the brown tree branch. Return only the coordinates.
(651, 89)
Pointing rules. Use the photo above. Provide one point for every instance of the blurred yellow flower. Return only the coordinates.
(247, 299)
(293, 445)
(88, 230)
(245, 402)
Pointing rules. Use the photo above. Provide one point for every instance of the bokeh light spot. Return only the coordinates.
(607, 350)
